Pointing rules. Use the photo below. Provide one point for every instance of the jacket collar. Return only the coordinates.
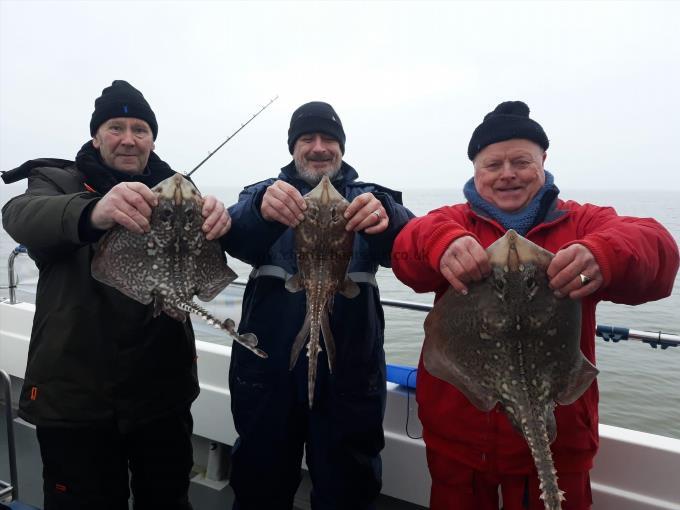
(555, 214)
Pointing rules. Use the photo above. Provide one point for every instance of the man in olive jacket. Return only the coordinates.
(108, 385)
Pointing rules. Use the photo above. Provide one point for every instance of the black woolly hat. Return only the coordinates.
(315, 117)
(509, 120)
(122, 100)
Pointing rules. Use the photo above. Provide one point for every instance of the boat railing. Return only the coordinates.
(12, 280)
(608, 333)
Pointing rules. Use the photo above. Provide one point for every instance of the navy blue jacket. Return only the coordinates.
(275, 315)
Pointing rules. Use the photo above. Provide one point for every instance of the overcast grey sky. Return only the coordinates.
(410, 82)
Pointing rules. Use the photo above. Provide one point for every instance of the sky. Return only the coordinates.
(410, 81)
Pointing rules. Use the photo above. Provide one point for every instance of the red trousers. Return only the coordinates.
(456, 486)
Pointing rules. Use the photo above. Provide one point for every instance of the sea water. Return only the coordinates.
(638, 384)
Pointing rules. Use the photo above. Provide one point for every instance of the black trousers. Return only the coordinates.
(341, 437)
(86, 468)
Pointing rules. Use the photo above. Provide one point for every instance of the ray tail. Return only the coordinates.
(536, 434)
(247, 340)
(313, 350)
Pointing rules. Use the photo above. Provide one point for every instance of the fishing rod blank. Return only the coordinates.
(607, 333)
(653, 338)
(230, 137)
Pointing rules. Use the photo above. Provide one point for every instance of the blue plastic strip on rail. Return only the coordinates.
(402, 375)
(612, 333)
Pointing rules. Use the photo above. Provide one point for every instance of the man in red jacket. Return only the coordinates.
(599, 255)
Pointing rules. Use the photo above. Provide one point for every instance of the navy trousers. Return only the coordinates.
(86, 468)
(341, 435)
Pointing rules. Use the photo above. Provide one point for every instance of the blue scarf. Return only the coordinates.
(523, 220)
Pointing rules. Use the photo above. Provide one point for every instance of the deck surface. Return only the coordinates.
(29, 467)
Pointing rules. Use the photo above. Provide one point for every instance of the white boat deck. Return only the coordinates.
(633, 471)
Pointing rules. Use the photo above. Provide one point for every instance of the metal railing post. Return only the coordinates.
(11, 275)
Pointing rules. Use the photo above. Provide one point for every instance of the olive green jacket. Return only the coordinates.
(94, 354)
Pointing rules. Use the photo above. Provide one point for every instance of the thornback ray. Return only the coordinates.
(511, 341)
(171, 263)
(323, 250)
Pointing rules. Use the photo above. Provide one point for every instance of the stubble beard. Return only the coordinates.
(312, 177)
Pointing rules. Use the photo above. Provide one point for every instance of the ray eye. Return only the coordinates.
(500, 284)
(531, 283)
(165, 215)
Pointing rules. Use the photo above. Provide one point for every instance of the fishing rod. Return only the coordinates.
(210, 154)
(653, 338)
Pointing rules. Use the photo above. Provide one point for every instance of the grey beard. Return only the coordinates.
(313, 178)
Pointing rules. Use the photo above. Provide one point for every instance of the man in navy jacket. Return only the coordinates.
(342, 432)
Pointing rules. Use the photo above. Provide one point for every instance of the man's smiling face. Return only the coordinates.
(509, 174)
(316, 155)
(125, 144)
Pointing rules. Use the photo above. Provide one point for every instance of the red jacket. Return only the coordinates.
(638, 259)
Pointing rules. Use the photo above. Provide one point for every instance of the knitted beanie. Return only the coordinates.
(509, 120)
(315, 117)
(122, 100)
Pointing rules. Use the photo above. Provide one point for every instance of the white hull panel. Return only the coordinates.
(633, 470)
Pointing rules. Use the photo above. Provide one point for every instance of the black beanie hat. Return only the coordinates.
(509, 120)
(315, 117)
(122, 100)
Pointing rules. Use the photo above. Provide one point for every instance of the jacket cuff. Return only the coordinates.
(602, 255)
(440, 239)
(381, 243)
(76, 214)
(86, 231)
(274, 227)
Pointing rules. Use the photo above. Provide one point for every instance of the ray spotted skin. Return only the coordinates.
(511, 340)
(172, 262)
(323, 251)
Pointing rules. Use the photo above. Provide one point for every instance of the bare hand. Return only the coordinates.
(464, 261)
(366, 213)
(217, 220)
(128, 204)
(283, 203)
(566, 268)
